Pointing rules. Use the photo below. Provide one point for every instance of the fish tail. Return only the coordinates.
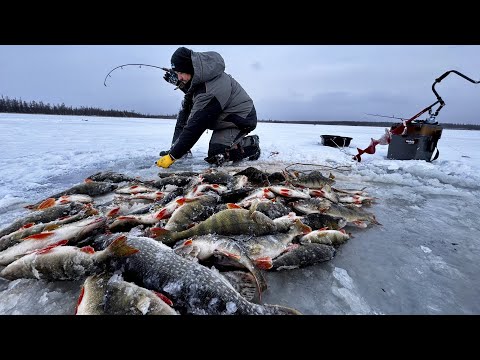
(301, 227)
(119, 247)
(163, 235)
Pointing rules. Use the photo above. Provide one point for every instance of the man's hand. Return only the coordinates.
(171, 77)
(165, 161)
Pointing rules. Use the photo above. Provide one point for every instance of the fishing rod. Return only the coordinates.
(390, 117)
(440, 101)
(139, 65)
(402, 128)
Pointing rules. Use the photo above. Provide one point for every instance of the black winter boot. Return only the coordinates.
(251, 147)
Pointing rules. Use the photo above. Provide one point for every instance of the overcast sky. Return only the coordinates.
(286, 82)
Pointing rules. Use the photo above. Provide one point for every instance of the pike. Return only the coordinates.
(73, 233)
(104, 294)
(191, 286)
(43, 216)
(205, 246)
(225, 222)
(58, 262)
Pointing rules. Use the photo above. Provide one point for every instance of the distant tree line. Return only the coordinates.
(8, 105)
(374, 123)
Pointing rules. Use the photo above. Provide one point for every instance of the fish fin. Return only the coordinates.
(165, 299)
(80, 298)
(161, 234)
(46, 204)
(113, 212)
(120, 247)
(88, 249)
(188, 251)
(49, 248)
(162, 214)
(39, 236)
(233, 206)
(158, 232)
(264, 263)
(90, 210)
(121, 218)
(305, 229)
(228, 254)
(26, 226)
(181, 201)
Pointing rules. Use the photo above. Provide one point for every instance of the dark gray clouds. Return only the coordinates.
(287, 82)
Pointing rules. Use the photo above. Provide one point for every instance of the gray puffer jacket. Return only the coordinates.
(214, 100)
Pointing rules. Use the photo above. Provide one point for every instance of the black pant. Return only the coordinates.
(247, 147)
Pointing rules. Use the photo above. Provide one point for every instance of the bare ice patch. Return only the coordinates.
(346, 290)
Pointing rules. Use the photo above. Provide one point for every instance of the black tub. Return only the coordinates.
(335, 140)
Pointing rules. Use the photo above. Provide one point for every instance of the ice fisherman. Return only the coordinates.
(213, 100)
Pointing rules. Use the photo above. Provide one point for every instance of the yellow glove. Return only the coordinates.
(165, 161)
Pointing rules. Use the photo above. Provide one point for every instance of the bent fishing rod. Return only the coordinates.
(139, 65)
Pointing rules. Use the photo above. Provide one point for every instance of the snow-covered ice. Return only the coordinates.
(423, 259)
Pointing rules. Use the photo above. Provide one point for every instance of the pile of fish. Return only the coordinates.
(185, 243)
